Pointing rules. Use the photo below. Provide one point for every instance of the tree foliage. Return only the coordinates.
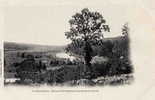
(86, 29)
(125, 29)
(88, 25)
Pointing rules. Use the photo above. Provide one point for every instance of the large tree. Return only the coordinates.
(86, 29)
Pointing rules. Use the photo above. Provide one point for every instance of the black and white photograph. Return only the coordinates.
(79, 47)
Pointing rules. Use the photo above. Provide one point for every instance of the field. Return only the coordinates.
(27, 64)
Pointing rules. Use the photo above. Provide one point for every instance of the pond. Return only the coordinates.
(65, 55)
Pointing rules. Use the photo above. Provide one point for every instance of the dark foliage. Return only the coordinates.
(86, 28)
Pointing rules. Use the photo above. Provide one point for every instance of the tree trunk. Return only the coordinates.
(87, 58)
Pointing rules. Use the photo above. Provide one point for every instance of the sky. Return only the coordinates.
(46, 24)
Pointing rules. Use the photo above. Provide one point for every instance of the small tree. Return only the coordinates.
(86, 29)
(125, 29)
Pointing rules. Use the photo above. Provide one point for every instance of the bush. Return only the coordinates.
(98, 60)
(101, 69)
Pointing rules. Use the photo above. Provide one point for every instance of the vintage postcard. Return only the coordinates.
(86, 49)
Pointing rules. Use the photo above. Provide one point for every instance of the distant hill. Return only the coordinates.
(13, 46)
